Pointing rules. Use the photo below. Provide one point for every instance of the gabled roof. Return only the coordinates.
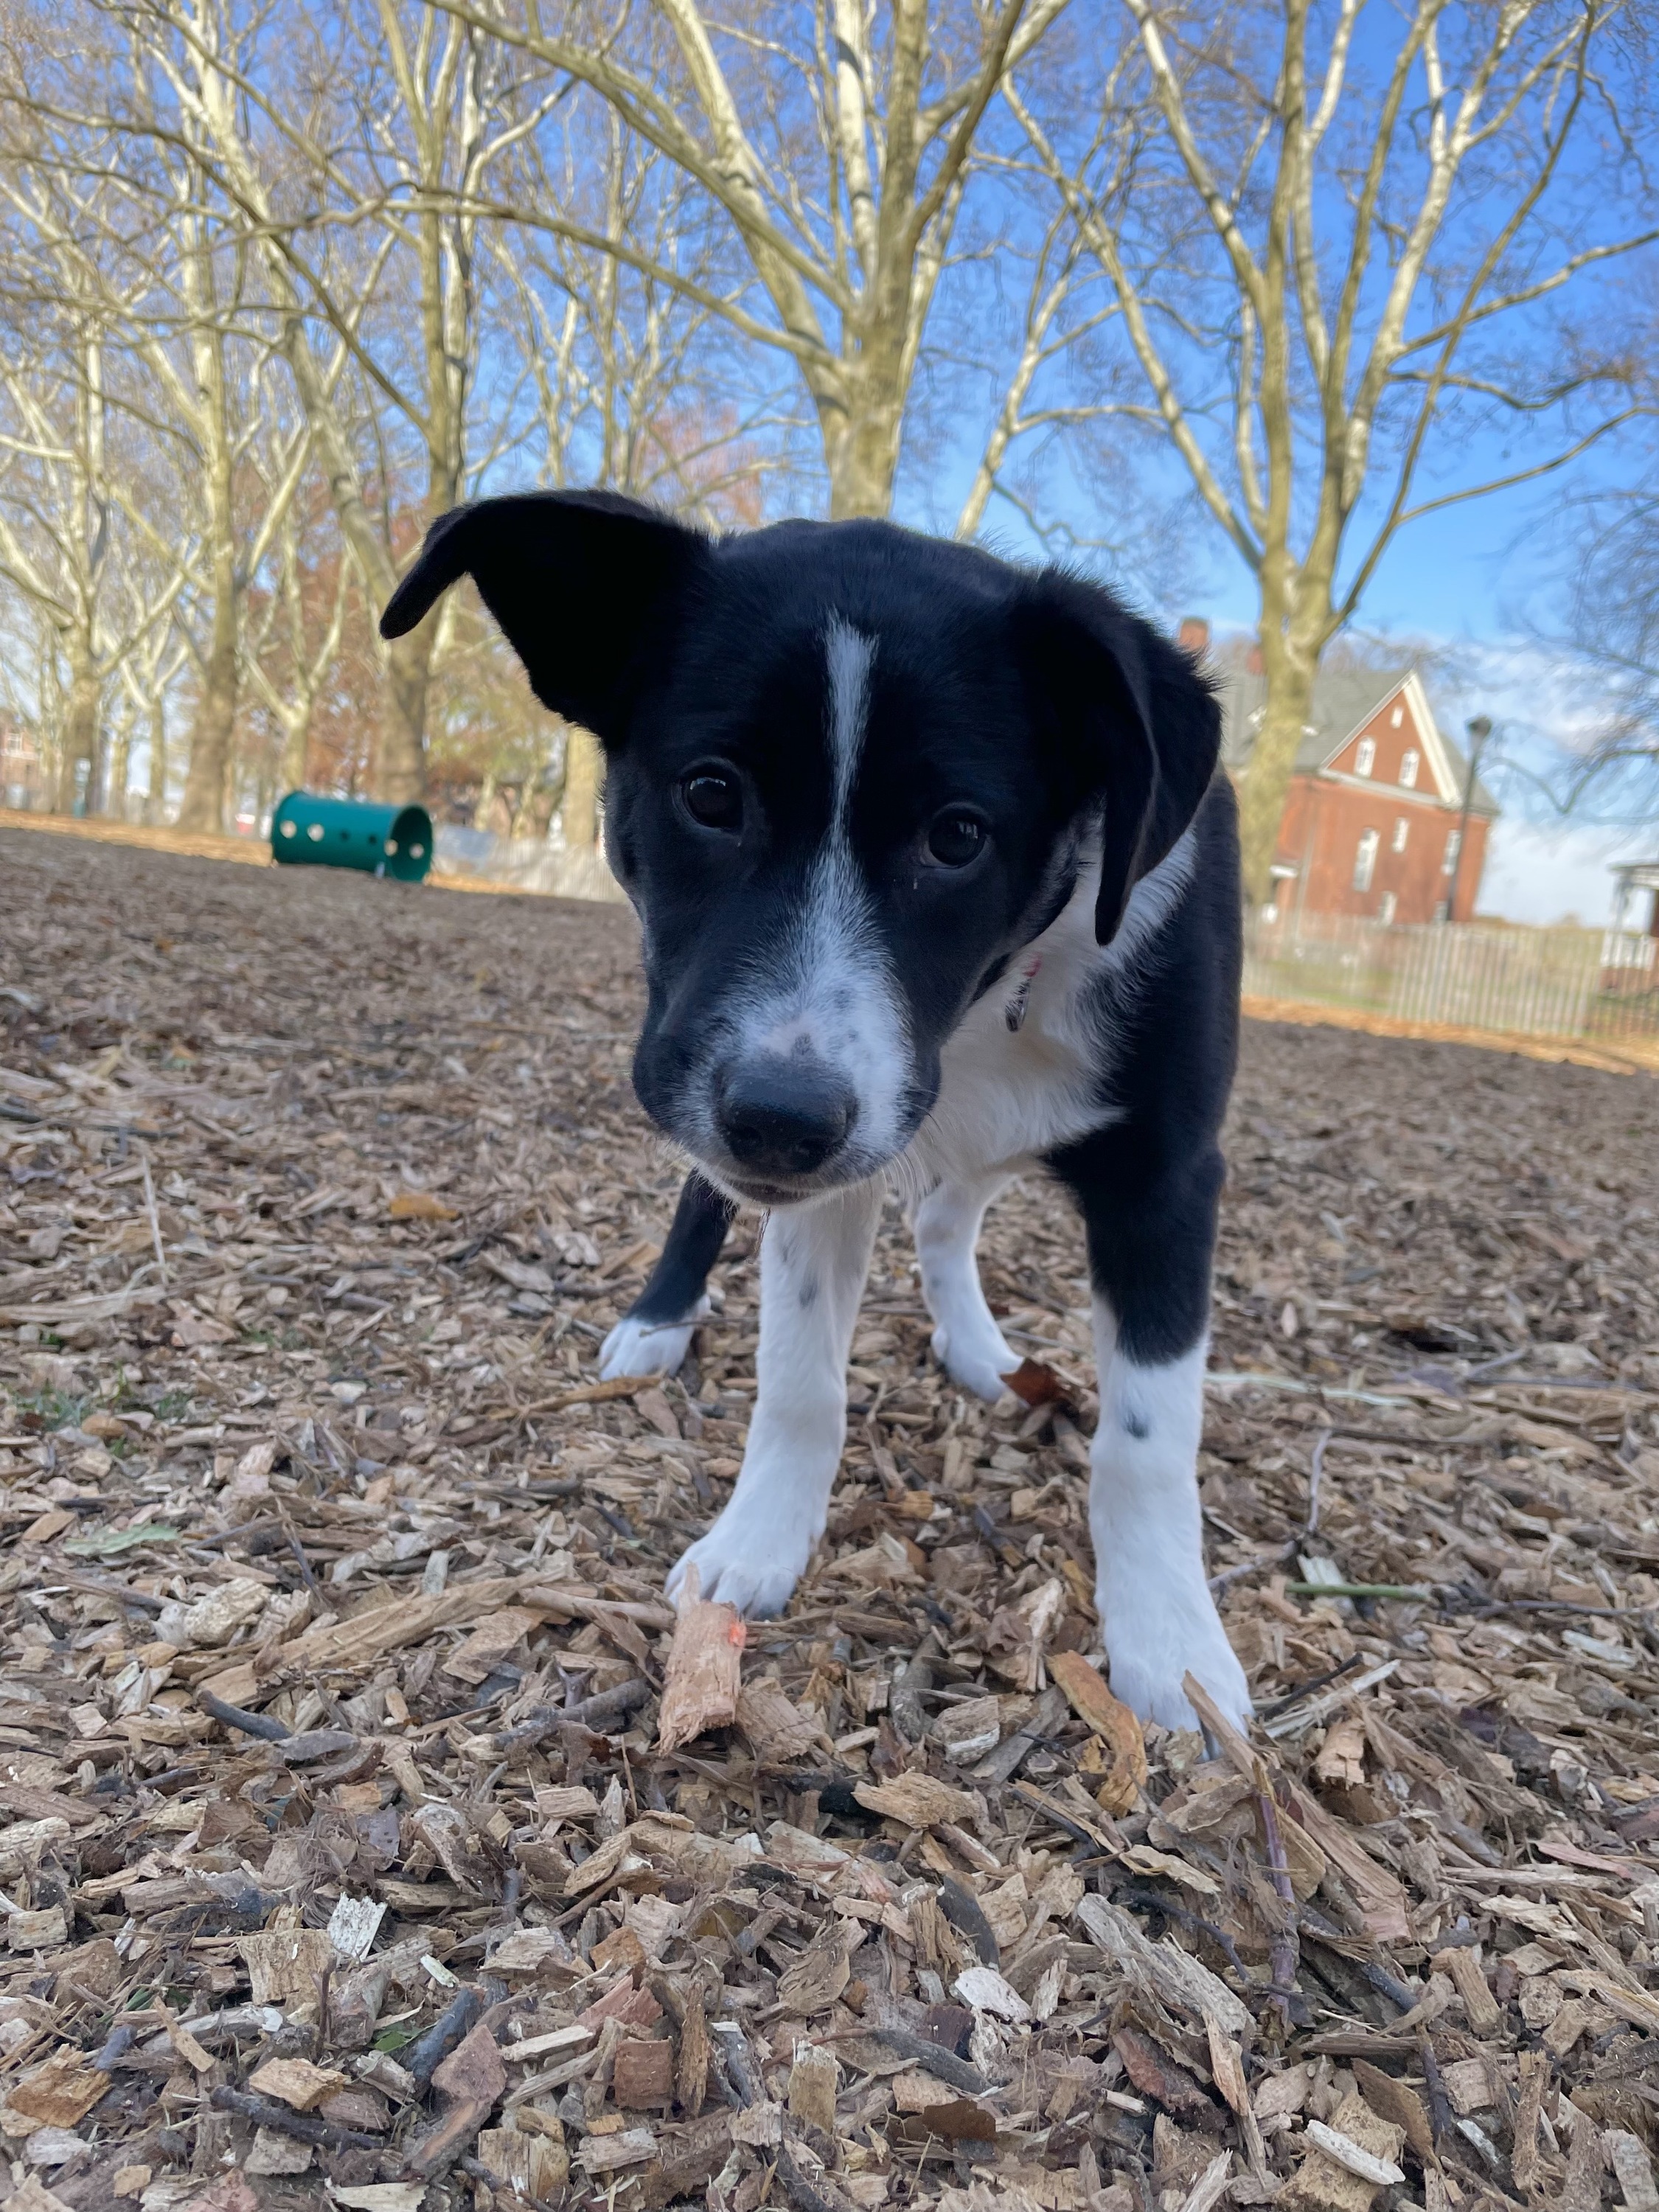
(1344, 700)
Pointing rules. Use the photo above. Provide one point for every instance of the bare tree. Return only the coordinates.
(149, 675)
(1348, 260)
(1609, 634)
(1058, 388)
(837, 141)
(637, 384)
(76, 543)
(141, 243)
(294, 646)
(357, 236)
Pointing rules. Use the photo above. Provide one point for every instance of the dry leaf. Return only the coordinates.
(1122, 1768)
(1035, 1384)
(496, 1639)
(420, 1206)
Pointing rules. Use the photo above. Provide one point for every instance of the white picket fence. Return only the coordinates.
(523, 864)
(1586, 983)
(1526, 982)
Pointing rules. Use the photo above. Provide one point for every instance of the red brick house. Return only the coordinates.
(1371, 824)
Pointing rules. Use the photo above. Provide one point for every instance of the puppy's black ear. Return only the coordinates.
(1128, 719)
(584, 584)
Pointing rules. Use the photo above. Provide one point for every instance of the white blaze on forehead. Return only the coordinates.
(827, 990)
(848, 653)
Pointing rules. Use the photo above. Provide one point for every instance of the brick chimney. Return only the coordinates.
(1253, 665)
(1193, 637)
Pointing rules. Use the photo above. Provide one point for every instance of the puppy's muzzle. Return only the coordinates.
(784, 1117)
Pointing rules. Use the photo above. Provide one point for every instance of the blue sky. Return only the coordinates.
(1468, 579)
(1475, 582)
(1479, 583)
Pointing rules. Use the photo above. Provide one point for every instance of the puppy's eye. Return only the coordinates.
(714, 798)
(956, 839)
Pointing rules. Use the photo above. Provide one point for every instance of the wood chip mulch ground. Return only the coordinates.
(376, 1837)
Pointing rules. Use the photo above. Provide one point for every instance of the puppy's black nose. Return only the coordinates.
(784, 1116)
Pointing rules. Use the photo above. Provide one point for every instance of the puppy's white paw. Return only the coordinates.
(753, 1558)
(1155, 1638)
(645, 1347)
(977, 1360)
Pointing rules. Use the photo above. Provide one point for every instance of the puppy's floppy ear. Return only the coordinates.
(584, 584)
(1128, 719)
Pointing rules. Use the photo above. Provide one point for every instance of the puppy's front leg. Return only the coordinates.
(653, 1336)
(814, 1262)
(1149, 1209)
(967, 1341)
(1157, 1616)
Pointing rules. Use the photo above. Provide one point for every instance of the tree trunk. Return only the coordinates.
(483, 806)
(582, 791)
(296, 746)
(203, 807)
(862, 450)
(79, 753)
(400, 772)
(155, 805)
(120, 753)
(1286, 711)
(207, 776)
(523, 823)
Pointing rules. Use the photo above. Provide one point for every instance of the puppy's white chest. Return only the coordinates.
(1028, 1069)
(1022, 1074)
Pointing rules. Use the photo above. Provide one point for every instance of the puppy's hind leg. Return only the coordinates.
(967, 1342)
(814, 1262)
(653, 1336)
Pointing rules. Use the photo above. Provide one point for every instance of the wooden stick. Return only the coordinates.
(700, 1681)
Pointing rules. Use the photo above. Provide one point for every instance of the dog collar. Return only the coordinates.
(1014, 1012)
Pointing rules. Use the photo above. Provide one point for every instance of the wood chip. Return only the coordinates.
(296, 2082)
(916, 1800)
(986, 1990)
(701, 1678)
(642, 2073)
(814, 2078)
(367, 1441)
(1174, 1975)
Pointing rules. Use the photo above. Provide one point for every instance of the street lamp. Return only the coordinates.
(1479, 729)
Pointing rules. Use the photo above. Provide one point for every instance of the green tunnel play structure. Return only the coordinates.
(352, 833)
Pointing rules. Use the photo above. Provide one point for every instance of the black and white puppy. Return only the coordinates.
(938, 882)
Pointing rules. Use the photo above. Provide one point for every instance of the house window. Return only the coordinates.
(1409, 763)
(1364, 757)
(1396, 718)
(1364, 861)
(1385, 913)
(1402, 830)
(1454, 838)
